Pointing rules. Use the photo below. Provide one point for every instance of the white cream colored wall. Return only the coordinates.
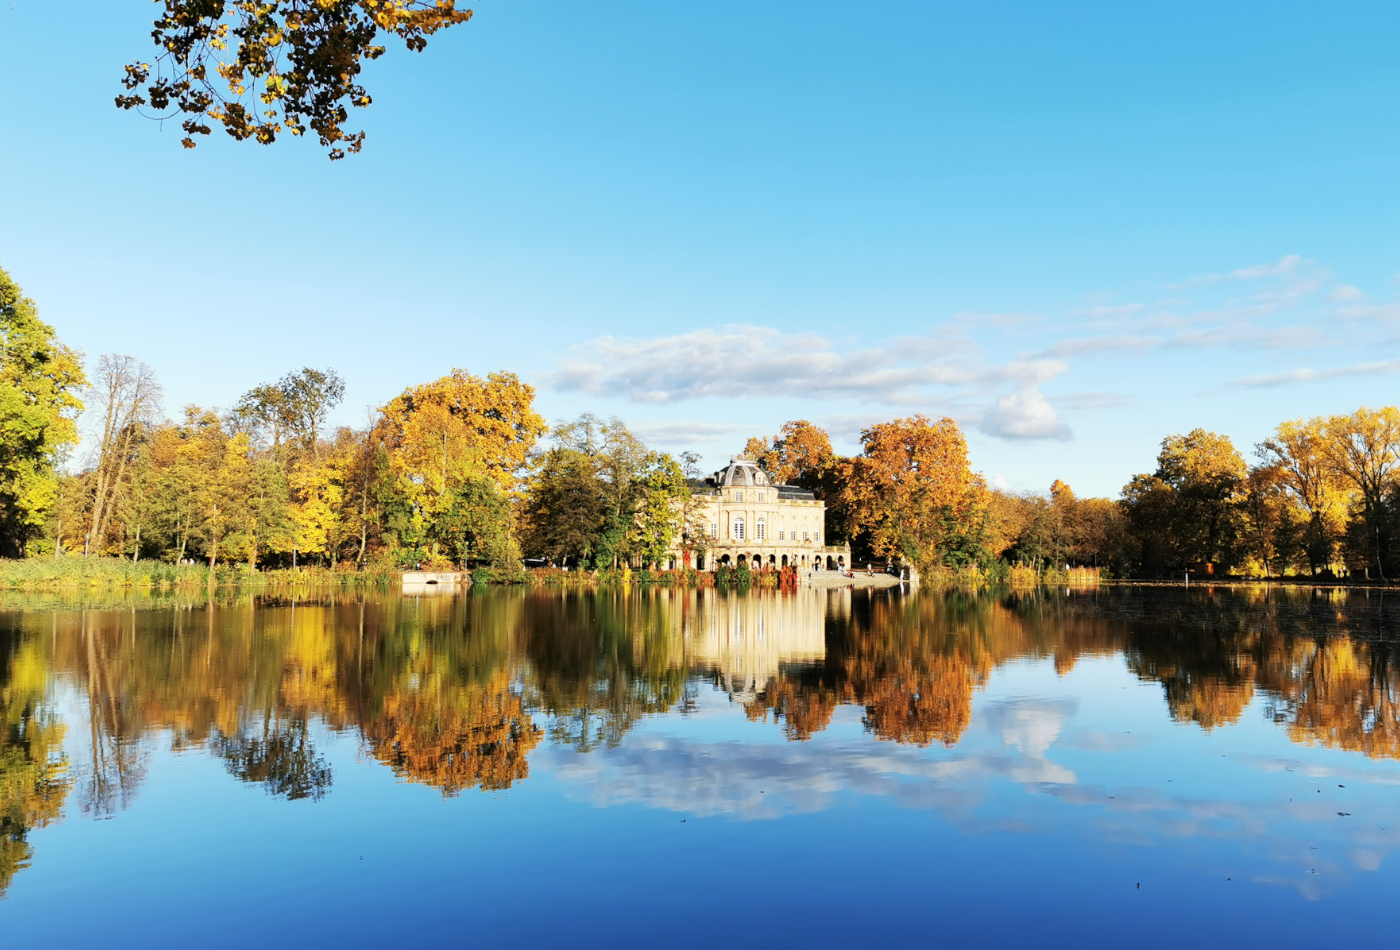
(791, 516)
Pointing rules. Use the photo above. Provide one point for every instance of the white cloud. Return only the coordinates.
(751, 360)
(1373, 312)
(687, 433)
(1346, 292)
(1024, 415)
(1286, 266)
(1102, 344)
(1283, 266)
(747, 361)
(934, 374)
(1378, 368)
(1003, 321)
(1093, 400)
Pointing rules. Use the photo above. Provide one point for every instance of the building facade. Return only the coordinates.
(742, 515)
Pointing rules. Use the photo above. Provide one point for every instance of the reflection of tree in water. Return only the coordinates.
(800, 699)
(1208, 677)
(431, 689)
(116, 761)
(1345, 698)
(597, 665)
(443, 689)
(914, 663)
(454, 736)
(34, 779)
(912, 673)
(280, 759)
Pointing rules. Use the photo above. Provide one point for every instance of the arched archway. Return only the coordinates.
(830, 563)
(724, 560)
(785, 560)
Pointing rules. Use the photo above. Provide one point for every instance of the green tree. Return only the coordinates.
(592, 478)
(293, 408)
(565, 509)
(476, 524)
(39, 383)
(659, 508)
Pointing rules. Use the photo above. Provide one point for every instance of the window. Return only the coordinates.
(738, 496)
(739, 529)
(760, 496)
(804, 536)
(762, 530)
(714, 530)
(781, 534)
(816, 536)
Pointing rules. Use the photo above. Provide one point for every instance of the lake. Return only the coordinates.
(1126, 766)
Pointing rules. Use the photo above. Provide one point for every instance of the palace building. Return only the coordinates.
(742, 515)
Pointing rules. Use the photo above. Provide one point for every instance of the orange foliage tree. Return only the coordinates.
(798, 455)
(912, 493)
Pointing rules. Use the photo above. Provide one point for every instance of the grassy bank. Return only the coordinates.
(97, 574)
(76, 573)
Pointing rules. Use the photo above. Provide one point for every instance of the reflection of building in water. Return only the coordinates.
(746, 639)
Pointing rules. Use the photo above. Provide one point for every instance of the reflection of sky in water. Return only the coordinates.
(1088, 755)
(1071, 811)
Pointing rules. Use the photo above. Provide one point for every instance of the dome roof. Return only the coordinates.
(742, 472)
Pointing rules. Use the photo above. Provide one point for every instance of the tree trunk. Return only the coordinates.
(103, 512)
(364, 506)
(103, 464)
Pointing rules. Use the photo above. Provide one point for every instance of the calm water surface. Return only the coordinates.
(1127, 767)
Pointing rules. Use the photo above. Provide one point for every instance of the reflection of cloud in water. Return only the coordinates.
(1274, 841)
(767, 781)
(1031, 726)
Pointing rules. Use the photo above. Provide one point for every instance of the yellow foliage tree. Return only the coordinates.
(440, 437)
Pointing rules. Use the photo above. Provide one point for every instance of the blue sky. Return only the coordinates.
(1076, 228)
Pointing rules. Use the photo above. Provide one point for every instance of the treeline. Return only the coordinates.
(1320, 499)
(455, 472)
(450, 472)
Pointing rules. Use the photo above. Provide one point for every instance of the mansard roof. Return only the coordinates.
(741, 472)
(744, 473)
